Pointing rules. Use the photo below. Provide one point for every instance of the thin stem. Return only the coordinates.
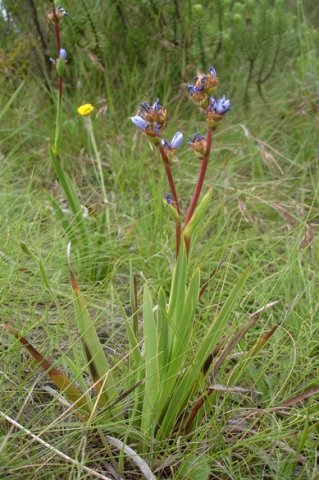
(57, 28)
(200, 180)
(60, 87)
(58, 117)
(170, 179)
(97, 158)
(199, 186)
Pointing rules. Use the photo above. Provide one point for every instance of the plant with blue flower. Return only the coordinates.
(152, 119)
(167, 364)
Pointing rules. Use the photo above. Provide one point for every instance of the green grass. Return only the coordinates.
(263, 202)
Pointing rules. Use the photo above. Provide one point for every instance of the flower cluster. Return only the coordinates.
(203, 86)
(200, 92)
(151, 118)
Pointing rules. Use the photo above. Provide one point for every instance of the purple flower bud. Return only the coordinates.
(168, 199)
(156, 105)
(146, 107)
(193, 89)
(196, 138)
(177, 140)
(212, 72)
(139, 122)
(63, 55)
(220, 105)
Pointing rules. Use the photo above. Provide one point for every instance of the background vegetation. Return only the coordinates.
(264, 172)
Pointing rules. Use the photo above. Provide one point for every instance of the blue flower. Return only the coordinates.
(156, 105)
(212, 72)
(194, 89)
(63, 55)
(203, 86)
(176, 142)
(139, 122)
(151, 119)
(219, 106)
(146, 106)
(199, 145)
(196, 138)
(168, 199)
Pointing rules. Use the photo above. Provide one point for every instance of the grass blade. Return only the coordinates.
(91, 340)
(64, 384)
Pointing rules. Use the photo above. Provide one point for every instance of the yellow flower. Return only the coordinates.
(85, 109)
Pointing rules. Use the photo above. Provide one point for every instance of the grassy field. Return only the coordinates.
(263, 216)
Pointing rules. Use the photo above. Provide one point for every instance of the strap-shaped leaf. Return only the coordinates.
(190, 379)
(177, 294)
(184, 319)
(151, 362)
(181, 341)
(62, 381)
(163, 333)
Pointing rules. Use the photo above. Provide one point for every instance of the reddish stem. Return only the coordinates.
(58, 43)
(199, 186)
(57, 29)
(200, 181)
(170, 179)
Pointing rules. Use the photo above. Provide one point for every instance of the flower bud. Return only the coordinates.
(61, 61)
(168, 203)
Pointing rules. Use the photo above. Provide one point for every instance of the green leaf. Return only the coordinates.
(163, 332)
(66, 183)
(91, 341)
(184, 320)
(198, 214)
(192, 375)
(177, 294)
(181, 342)
(151, 362)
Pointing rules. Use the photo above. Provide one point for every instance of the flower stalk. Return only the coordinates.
(168, 171)
(58, 123)
(97, 156)
(199, 186)
(65, 181)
